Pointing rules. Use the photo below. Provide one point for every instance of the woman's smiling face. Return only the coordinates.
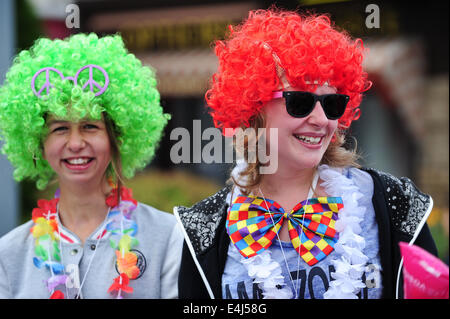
(79, 152)
(302, 142)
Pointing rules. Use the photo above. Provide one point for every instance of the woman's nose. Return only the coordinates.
(76, 141)
(317, 116)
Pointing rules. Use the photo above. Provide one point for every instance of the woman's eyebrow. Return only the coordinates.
(52, 122)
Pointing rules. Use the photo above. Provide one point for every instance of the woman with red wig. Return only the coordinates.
(320, 225)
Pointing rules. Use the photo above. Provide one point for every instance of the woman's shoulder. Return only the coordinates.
(16, 238)
(349, 175)
(396, 187)
(370, 177)
(157, 230)
(407, 204)
(149, 215)
(206, 215)
(360, 177)
(208, 206)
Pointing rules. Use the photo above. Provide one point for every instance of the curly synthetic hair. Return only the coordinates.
(131, 101)
(275, 48)
(305, 47)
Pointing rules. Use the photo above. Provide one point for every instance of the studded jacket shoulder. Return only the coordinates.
(202, 220)
(407, 204)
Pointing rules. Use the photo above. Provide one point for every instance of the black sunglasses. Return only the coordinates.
(301, 104)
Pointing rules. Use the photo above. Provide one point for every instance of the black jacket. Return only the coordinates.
(400, 209)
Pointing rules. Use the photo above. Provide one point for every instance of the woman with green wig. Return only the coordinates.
(85, 113)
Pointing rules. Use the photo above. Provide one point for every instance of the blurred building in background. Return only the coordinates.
(404, 124)
(403, 127)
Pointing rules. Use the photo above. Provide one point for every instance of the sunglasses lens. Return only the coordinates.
(334, 105)
(299, 104)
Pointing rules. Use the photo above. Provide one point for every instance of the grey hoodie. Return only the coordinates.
(159, 255)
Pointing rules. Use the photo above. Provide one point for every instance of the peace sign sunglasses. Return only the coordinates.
(91, 82)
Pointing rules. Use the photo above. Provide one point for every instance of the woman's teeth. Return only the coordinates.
(309, 139)
(78, 161)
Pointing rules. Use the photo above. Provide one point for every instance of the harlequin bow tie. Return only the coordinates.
(253, 222)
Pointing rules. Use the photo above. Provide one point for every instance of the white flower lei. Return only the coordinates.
(349, 267)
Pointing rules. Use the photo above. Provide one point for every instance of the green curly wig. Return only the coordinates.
(131, 101)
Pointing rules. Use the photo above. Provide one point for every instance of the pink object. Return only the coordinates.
(424, 275)
(277, 94)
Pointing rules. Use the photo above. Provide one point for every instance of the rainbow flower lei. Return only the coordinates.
(119, 224)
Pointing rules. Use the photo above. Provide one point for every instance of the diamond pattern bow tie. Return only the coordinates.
(253, 222)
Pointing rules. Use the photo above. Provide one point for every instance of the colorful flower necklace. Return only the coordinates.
(119, 224)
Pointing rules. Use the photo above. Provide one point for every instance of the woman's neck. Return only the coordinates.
(82, 209)
(286, 187)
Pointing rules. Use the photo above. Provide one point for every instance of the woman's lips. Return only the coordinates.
(310, 141)
(78, 164)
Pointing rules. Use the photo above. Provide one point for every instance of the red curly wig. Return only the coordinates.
(306, 47)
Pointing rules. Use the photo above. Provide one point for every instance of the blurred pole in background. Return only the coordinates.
(9, 190)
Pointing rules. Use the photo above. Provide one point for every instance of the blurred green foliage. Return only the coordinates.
(438, 223)
(441, 239)
(164, 190)
(160, 189)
